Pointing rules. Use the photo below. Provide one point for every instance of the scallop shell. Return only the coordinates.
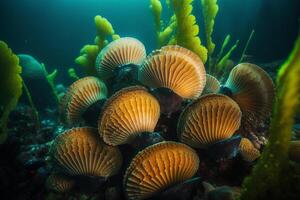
(119, 52)
(80, 151)
(80, 95)
(157, 167)
(253, 89)
(127, 113)
(294, 150)
(212, 85)
(59, 183)
(175, 68)
(209, 119)
(188, 53)
(248, 151)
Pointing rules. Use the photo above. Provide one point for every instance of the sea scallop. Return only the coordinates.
(126, 114)
(158, 167)
(119, 53)
(248, 151)
(59, 183)
(80, 96)
(175, 68)
(212, 85)
(81, 152)
(209, 119)
(253, 90)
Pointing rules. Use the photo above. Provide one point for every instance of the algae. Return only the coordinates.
(273, 168)
(89, 52)
(10, 86)
(187, 32)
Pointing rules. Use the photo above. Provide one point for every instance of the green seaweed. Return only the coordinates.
(246, 46)
(187, 32)
(210, 9)
(10, 86)
(272, 169)
(222, 67)
(224, 45)
(51, 80)
(163, 34)
(34, 109)
(89, 52)
(72, 74)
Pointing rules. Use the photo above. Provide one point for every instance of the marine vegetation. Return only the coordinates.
(89, 52)
(187, 29)
(164, 30)
(182, 29)
(268, 176)
(51, 80)
(210, 9)
(72, 74)
(10, 85)
(181, 122)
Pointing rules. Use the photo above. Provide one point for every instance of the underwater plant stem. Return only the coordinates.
(220, 67)
(246, 46)
(224, 45)
(51, 78)
(35, 111)
(264, 180)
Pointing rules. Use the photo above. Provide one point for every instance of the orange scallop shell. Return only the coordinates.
(80, 95)
(80, 151)
(59, 183)
(119, 52)
(157, 167)
(127, 113)
(209, 119)
(248, 151)
(176, 68)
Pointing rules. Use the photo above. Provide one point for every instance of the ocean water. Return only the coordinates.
(170, 114)
(55, 30)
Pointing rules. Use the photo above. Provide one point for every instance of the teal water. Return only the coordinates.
(55, 30)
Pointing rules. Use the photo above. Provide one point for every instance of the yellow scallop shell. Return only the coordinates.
(175, 68)
(248, 151)
(158, 167)
(209, 119)
(119, 52)
(253, 89)
(212, 85)
(59, 183)
(127, 113)
(80, 95)
(80, 151)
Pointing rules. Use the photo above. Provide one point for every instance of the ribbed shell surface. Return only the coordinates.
(158, 167)
(212, 85)
(209, 119)
(127, 113)
(248, 151)
(59, 183)
(80, 95)
(175, 68)
(119, 52)
(253, 89)
(80, 151)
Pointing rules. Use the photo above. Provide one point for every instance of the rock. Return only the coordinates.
(220, 193)
(36, 82)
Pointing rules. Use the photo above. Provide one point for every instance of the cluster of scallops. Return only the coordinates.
(104, 118)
